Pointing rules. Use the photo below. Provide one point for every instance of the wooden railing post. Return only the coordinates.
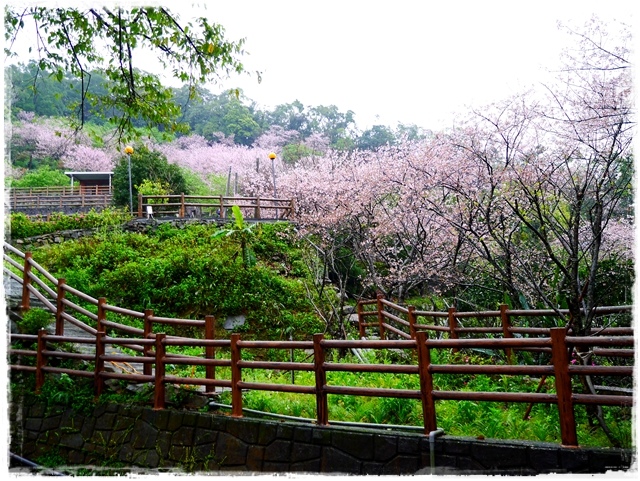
(453, 323)
(411, 315)
(210, 351)
(506, 325)
(426, 383)
(139, 206)
(25, 304)
(159, 388)
(147, 332)
(60, 295)
(380, 308)
(236, 377)
(257, 209)
(360, 311)
(563, 387)
(102, 315)
(222, 213)
(182, 209)
(100, 351)
(40, 359)
(322, 407)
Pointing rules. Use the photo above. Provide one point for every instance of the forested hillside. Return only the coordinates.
(527, 201)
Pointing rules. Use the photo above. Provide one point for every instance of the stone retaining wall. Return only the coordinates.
(146, 441)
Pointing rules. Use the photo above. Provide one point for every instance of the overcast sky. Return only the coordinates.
(409, 61)
(400, 61)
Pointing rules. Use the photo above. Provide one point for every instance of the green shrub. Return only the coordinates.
(43, 176)
(33, 320)
(22, 226)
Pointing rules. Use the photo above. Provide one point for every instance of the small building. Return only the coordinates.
(100, 182)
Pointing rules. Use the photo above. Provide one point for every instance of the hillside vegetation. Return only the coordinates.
(191, 273)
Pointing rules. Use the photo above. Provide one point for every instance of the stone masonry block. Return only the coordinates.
(310, 466)
(175, 420)
(337, 462)
(409, 445)
(574, 460)
(255, 458)
(543, 459)
(204, 436)
(230, 450)
(183, 436)
(401, 465)
(303, 434)
(244, 429)
(499, 456)
(278, 451)
(71, 440)
(304, 452)
(285, 431)
(144, 435)
(267, 433)
(359, 445)
(385, 447)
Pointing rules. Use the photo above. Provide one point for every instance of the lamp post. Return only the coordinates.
(272, 156)
(129, 150)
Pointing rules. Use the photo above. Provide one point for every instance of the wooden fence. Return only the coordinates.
(153, 352)
(254, 208)
(406, 322)
(59, 198)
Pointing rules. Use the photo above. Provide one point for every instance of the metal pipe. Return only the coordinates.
(432, 452)
(31, 464)
(308, 420)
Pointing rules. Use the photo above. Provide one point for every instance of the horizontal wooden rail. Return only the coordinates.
(156, 360)
(180, 205)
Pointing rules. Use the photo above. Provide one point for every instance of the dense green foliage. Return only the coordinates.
(145, 165)
(81, 42)
(43, 176)
(21, 226)
(33, 320)
(191, 273)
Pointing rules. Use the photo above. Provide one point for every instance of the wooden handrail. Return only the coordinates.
(181, 205)
(155, 358)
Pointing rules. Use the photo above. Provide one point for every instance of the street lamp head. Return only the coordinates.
(272, 155)
(128, 150)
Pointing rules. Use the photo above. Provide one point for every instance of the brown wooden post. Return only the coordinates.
(426, 383)
(563, 387)
(102, 315)
(26, 282)
(506, 324)
(380, 308)
(182, 209)
(360, 311)
(293, 208)
(147, 333)
(222, 213)
(322, 407)
(60, 295)
(139, 206)
(40, 359)
(210, 351)
(257, 209)
(411, 315)
(236, 377)
(453, 323)
(158, 392)
(98, 383)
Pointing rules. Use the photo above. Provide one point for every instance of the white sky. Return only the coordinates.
(403, 61)
(409, 61)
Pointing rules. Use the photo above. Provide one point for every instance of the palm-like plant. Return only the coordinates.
(241, 232)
